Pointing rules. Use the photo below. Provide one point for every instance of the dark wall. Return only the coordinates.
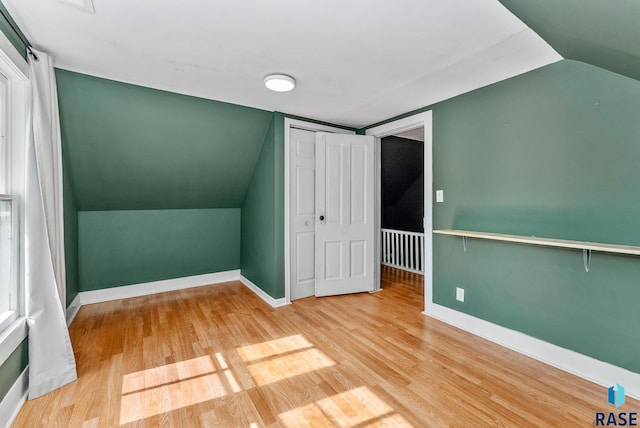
(402, 184)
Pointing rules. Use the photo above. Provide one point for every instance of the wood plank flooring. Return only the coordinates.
(217, 356)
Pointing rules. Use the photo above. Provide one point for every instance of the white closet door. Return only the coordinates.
(303, 189)
(344, 214)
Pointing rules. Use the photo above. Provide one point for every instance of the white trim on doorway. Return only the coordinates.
(397, 126)
(309, 126)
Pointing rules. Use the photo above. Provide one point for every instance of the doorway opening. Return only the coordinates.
(417, 127)
(402, 200)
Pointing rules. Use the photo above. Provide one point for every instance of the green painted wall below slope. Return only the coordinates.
(128, 247)
(135, 148)
(262, 247)
(552, 153)
(14, 365)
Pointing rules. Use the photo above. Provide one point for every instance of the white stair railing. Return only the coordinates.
(403, 250)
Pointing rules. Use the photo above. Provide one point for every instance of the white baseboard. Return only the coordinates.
(144, 289)
(274, 303)
(15, 398)
(72, 309)
(589, 368)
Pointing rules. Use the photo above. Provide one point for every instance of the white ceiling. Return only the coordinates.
(357, 62)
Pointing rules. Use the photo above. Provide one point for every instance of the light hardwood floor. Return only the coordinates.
(218, 356)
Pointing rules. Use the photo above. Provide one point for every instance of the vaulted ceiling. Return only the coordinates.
(602, 33)
(356, 62)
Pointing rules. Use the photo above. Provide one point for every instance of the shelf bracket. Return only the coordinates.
(586, 257)
(464, 244)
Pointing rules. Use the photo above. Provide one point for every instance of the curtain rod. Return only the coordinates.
(19, 34)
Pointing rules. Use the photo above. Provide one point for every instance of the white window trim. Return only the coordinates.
(11, 54)
(12, 337)
(6, 321)
(15, 68)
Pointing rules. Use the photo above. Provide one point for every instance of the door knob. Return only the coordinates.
(321, 218)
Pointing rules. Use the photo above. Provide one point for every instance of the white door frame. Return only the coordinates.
(309, 126)
(397, 126)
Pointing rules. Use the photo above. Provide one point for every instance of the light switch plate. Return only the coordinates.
(439, 195)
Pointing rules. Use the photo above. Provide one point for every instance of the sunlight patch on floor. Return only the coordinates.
(166, 374)
(173, 386)
(274, 347)
(357, 407)
(287, 366)
(282, 358)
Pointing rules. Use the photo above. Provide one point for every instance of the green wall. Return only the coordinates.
(5, 27)
(129, 247)
(263, 215)
(136, 148)
(601, 33)
(156, 178)
(12, 367)
(552, 153)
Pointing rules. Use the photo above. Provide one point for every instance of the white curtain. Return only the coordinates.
(51, 360)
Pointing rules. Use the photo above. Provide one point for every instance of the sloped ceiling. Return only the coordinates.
(130, 147)
(357, 62)
(602, 33)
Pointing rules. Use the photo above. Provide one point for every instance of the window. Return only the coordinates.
(8, 263)
(13, 119)
(9, 248)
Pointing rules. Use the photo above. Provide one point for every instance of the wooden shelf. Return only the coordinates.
(585, 246)
(547, 242)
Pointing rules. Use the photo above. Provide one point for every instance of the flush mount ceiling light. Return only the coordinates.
(279, 82)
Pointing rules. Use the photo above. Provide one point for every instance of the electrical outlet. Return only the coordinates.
(460, 294)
